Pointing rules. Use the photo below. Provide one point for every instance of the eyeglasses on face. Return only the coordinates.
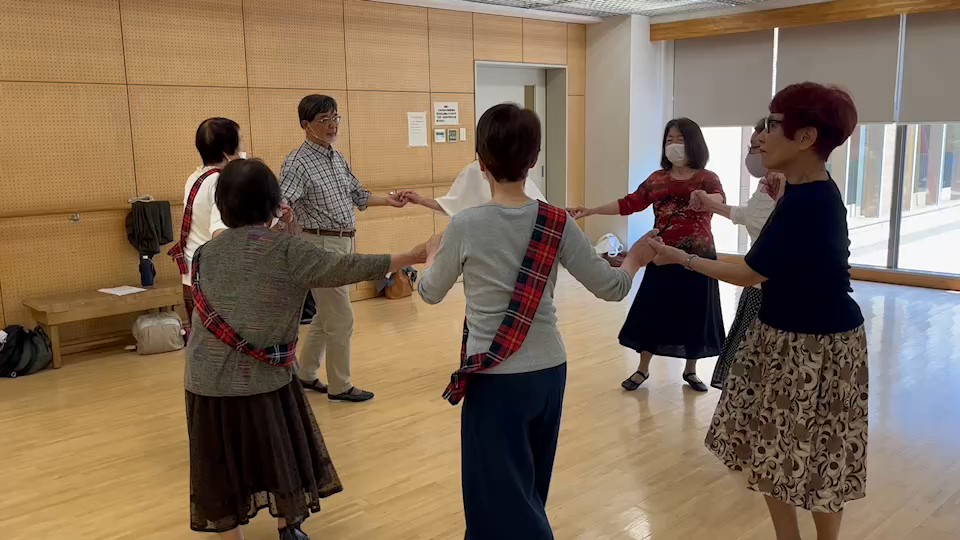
(770, 124)
(329, 120)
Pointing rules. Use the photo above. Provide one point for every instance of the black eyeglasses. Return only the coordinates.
(770, 123)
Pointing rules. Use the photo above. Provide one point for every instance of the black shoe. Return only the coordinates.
(695, 382)
(354, 395)
(292, 532)
(630, 385)
(316, 386)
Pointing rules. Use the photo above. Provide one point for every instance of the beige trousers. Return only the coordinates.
(332, 326)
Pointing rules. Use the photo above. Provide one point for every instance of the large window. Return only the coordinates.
(930, 215)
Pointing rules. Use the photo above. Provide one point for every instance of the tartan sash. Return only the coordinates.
(276, 355)
(177, 250)
(531, 281)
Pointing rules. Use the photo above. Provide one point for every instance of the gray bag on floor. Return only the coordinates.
(158, 332)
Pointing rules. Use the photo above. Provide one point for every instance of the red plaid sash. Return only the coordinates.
(531, 281)
(276, 355)
(177, 250)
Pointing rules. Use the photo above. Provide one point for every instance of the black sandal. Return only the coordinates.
(315, 385)
(630, 385)
(292, 532)
(695, 382)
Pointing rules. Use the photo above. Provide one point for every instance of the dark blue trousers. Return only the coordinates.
(509, 429)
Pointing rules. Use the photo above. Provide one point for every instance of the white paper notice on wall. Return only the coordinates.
(417, 129)
(463, 134)
(446, 113)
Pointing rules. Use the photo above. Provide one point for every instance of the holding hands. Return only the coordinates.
(579, 212)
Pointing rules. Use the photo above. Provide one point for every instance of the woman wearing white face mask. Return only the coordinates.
(676, 313)
(753, 216)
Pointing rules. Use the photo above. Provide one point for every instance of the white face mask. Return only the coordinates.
(676, 154)
(754, 163)
(243, 155)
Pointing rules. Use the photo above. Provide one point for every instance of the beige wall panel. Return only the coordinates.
(576, 173)
(450, 158)
(66, 40)
(295, 44)
(3, 319)
(387, 47)
(544, 42)
(451, 51)
(379, 146)
(576, 59)
(64, 147)
(497, 38)
(391, 230)
(165, 120)
(36, 250)
(274, 124)
(188, 42)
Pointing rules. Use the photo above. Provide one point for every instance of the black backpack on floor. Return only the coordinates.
(24, 352)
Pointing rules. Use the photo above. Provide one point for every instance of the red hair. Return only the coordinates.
(827, 108)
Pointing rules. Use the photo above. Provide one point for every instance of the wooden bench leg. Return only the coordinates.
(54, 333)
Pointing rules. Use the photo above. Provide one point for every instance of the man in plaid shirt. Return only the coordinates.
(317, 183)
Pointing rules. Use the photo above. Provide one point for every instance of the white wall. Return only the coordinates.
(629, 99)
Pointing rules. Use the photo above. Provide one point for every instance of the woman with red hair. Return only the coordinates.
(793, 415)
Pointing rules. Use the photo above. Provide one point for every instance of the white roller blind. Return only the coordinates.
(859, 56)
(724, 80)
(931, 68)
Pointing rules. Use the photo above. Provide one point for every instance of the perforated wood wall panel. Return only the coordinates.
(49, 255)
(379, 142)
(187, 42)
(576, 125)
(449, 158)
(544, 42)
(295, 44)
(64, 147)
(576, 59)
(387, 47)
(274, 124)
(76, 41)
(451, 51)
(165, 121)
(497, 38)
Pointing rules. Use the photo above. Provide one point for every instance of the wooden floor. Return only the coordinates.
(97, 450)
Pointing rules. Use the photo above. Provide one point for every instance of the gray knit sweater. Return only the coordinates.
(256, 279)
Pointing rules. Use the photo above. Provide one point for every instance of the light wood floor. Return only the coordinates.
(97, 450)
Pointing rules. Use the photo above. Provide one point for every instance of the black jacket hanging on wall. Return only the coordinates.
(149, 226)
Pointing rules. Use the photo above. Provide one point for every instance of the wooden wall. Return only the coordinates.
(100, 99)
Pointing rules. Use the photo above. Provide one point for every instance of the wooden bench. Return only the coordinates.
(51, 312)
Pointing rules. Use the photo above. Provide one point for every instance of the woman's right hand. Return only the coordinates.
(642, 251)
(579, 212)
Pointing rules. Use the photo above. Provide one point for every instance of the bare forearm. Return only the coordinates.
(376, 200)
(736, 273)
(433, 205)
(719, 208)
(632, 264)
(400, 261)
(609, 209)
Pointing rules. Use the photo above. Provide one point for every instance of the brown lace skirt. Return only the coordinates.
(254, 452)
(793, 416)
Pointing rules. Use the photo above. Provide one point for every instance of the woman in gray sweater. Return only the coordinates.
(254, 442)
(513, 361)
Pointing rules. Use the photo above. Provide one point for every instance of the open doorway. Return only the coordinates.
(542, 89)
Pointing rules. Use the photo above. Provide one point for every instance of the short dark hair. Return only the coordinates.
(828, 109)
(693, 144)
(313, 105)
(760, 126)
(247, 193)
(216, 138)
(508, 141)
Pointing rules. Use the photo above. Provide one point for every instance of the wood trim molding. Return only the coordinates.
(892, 277)
(806, 15)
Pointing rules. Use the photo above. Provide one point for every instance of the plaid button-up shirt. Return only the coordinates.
(319, 186)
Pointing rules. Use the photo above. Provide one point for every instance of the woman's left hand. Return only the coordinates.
(667, 255)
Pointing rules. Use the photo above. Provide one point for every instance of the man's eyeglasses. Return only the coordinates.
(769, 124)
(328, 120)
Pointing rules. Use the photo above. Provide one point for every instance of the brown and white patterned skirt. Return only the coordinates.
(793, 416)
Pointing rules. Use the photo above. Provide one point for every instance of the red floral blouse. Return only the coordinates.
(679, 226)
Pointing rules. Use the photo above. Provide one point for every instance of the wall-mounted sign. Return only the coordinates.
(446, 113)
